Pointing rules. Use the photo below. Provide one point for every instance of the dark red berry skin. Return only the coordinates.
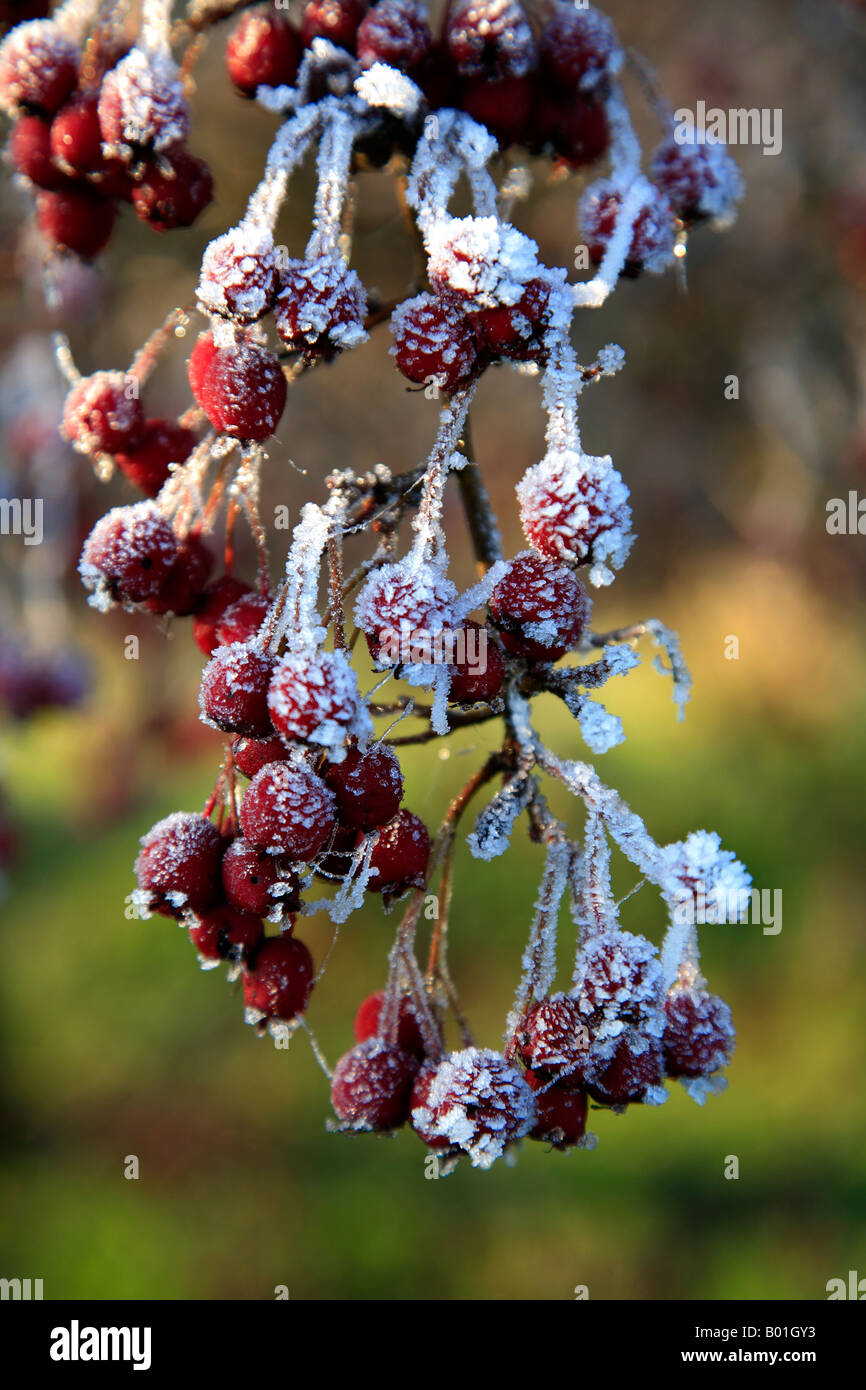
(409, 1035)
(29, 151)
(420, 1096)
(242, 619)
(251, 754)
(470, 684)
(234, 690)
(166, 200)
(223, 933)
(288, 811)
(627, 1076)
(503, 106)
(180, 856)
(337, 20)
(572, 127)
(533, 591)
(147, 462)
(434, 342)
(400, 855)
(37, 86)
(372, 1086)
(242, 390)
(181, 591)
(263, 51)
(102, 414)
(368, 787)
(515, 330)
(394, 32)
(561, 1112)
(199, 364)
(76, 220)
(76, 140)
(249, 874)
(133, 561)
(216, 599)
(279, 980)
(698, 1037)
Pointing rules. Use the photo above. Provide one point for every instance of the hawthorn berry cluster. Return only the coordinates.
(310, 790)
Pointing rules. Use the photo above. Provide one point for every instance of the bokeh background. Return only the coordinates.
(113, 1043)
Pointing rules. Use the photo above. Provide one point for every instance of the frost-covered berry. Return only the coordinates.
(223, 933)
(142, 105)
(634, 1070)
(314, 698)
(480, 260)
(560, 1111)
(320, 306)
(517, 330)
(503, 106)
(79, 220)
(288, 810)
(102, 413)
(242, 390)
(618, 978)
(279, 980)
(574, 507)
(337, 20)
(699, 1035)
(490, 38)
(540, 610)
(400, 855)
(38, 68)
(578, 47)
(128, 555)
(409, 1035)
(76, 139)
(252, 882)
(479, 671)
(475, 1101)
(181, 590)
(173, 190)
(397, 603)
(368, 786)
(699, 180)
(178, 865)
(147, 462)
(234, 690)
(263, 51)
(239, 274)
(251, 754)
(242, 619)
(434, 342)
(651, 244)
(372, 1086)
(395, 32)
(29, 151)
(216, 600)
(554, 1038)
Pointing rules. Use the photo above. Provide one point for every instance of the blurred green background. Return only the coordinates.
(113, 1043)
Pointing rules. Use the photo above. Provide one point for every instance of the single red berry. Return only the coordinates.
(337, 20)
(289, 811)
(314, 697)
(560, 1112)
(618, 978)
(574, 507)
(490, 38)
(217, 598)
(76, 139)
(223, 933)
(147, 462)
(480, 262)
(419, 1106)
(79, 220)
(251, 754)
(400, 855)
(128, 554)
(409, 1035)
(434, 342)
(699, 180)
(142, 105)
(437, 79)
(253, 882)
(179, 864)
(264, 50)
(395, 32)
(572, 127)
(368, 786)
(321, 305)
(174, 191)
(372, 1086)
(502, 105)
(479, 670)
(652, 239)
(38, 68)
(242, 390)
(476, 1101)
(539, 608)
(517, 330)
(103, 414)
(578, 47)
(554, 1038)
(399, 608)
(635, 1067)
(699, 1036)
(234, 690)
(242, 619)
(200, 362)
(181, 591)
(29, 151)
(279, 979)
(239, 274)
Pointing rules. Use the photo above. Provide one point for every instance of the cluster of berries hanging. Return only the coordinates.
(310, 791)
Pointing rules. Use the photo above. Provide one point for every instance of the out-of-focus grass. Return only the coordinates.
(115, 1044)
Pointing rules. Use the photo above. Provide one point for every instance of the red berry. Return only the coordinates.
(217, 598)
(242, 619)
(395, 32)
(239, 274)
(409, 1035)
(418, 1105)
(400, 855)
(288, 810)
(578, 47)
(250, 877)
(368, 786)
(618, 978)
(128, 554)
(321, 305)
(234, 690)
(652, 240)
(480, 669)
(200, 362)
(142, 105)
(574, 507)
(636, 1066)
(181, 591)
(179, 864)
(560, 1112)
(490, 38)
(147, 462)
(263, 51)
(567, 125)
(314, 697)
(397, 602)
(699, 180)
(372, 1086)
(517, 330)
(279, 980)
(337, 20)
(103, 414)
(76, 139)
(251, 754)
(539, 608)
(242, 390)
(76, 220)
(29, 151)
(225, 934)
(554, 1037)
(173, 192)
(502, 105)
(38, 68)
(699, 1036)
(475, 1101)
(480, 261)
(434, 342)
